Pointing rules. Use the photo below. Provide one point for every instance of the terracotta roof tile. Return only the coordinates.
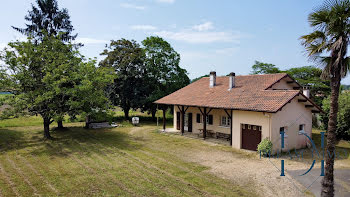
(249, 94)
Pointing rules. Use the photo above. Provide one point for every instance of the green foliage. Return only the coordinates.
(40, 73)
(164, 75)
(345, 87)
(51, 79)
(48, 18)
(264, 68)
(306, 76)
(265, 147)
(198, 78)
(129, 89)
(101, 116)
(343, 126)
(311, 76)
(89, 93)
(5, 82)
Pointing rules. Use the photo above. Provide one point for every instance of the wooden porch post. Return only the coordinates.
(164, 116)
(182, 119)
(231, 128)
(230, 117)
(205, 123)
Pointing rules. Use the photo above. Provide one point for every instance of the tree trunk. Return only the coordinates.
(87, 122)
(47, 128)
(126, 112)
(154, 111)
(328, 179)
(60, 124)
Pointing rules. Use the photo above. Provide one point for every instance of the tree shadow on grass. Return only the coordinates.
(86, 142)
(74, 140)
(10, 139)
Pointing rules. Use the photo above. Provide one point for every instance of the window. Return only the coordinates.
(210, 119)
(199, 118)
(283, 129)
(301, 129)
(225, 121)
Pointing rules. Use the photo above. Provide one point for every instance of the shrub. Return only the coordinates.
(265, 147)
(343, 126)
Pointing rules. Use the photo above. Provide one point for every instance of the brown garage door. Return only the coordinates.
(251, 136)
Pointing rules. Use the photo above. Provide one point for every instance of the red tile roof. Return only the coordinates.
(249, 94)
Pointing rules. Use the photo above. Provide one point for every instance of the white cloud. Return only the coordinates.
(143, 27)
(204, 27)
(91, 41)
(132, 6)
(166, 1)
(200, 37)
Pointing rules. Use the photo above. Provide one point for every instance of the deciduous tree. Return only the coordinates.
(164, 75)
(264, 68)
(40, 73)
(127, 58)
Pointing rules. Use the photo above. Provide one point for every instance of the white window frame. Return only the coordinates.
(285, 129)
(303, 130)
(225, 121)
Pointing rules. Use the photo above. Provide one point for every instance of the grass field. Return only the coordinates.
(104, 162)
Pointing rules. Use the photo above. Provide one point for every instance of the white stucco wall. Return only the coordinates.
(291, 116)
(283, 85)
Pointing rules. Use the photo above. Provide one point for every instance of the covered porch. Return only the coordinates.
(212, 124)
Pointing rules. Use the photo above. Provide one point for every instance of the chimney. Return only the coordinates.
(231, 80)
(212, 79)
(306, 91)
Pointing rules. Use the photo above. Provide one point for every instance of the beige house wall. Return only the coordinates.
(239, 117)
(217, 114)
(282, 85)
(252, 118)
(291, 116)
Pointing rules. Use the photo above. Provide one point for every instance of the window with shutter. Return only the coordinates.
(198, 118)
(210, 121)
(223, 121)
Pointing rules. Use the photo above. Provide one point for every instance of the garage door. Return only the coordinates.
(251, 136)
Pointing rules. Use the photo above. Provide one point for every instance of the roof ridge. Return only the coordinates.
(252, 75)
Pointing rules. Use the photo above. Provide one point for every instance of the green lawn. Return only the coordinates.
(103, 162)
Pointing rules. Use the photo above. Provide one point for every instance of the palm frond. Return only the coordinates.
(315, 43)
(325, 63)
(346, 67)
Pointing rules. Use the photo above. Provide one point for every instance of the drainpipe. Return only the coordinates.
(269, 117)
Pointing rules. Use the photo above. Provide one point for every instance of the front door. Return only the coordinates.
(178, 120)
(189, 122)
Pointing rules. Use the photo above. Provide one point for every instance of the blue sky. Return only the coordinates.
(225, 36)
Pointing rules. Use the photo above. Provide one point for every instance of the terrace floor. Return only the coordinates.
(211, 139)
